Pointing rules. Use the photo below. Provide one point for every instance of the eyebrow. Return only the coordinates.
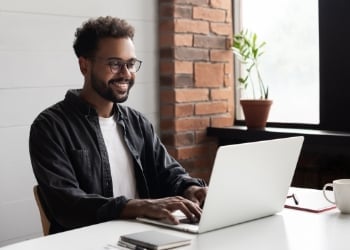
(120, 59)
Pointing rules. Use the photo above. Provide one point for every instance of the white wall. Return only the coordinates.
(37, 66)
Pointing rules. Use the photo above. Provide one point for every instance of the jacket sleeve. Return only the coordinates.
(174, 178)
(68, 206)
(169, 178)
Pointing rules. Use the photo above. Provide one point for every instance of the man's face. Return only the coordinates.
(106, 79)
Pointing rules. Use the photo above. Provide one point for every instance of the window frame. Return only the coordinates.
(333, 25)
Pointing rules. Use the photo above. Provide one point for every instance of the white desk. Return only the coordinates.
(289, 229)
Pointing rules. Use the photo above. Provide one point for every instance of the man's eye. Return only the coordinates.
(115, 64)
(131, 64)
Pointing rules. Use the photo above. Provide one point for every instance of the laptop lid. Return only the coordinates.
(248, 181)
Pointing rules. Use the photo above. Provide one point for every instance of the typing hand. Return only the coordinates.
(162, 209)
(196, 194)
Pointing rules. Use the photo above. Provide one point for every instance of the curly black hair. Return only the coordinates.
(88, 35)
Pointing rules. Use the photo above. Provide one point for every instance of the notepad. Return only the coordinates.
(154, 240)
(310, 200)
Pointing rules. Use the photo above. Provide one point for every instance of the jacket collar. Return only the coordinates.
(73, 97)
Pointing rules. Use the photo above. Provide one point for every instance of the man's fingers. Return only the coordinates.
(163, 208)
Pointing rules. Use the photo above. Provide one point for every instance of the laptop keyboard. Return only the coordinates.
(188, 221)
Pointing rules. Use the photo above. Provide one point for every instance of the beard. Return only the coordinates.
(116, 93)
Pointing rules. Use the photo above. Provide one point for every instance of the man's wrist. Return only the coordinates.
(133, 208)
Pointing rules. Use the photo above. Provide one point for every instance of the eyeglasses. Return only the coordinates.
(116, 65)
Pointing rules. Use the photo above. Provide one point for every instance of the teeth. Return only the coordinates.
(120, 82)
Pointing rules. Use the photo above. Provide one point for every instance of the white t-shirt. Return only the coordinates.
(120, 161)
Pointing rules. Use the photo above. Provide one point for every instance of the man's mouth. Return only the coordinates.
(119, 81)
(120, 86)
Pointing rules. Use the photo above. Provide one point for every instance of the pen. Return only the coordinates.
(296, 201)
(130, 246)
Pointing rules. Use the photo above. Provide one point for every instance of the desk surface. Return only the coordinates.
(289, 229)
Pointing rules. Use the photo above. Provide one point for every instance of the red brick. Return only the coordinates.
(171, 150)
(221, 4)
(179, 139)
(165, 40)
(183, 39)
(229, 75)
(221, 94)
(220, 55)
(204, 162)
(184, 139)
(209, 74)
(166, 26)
(221, 28)
(166, 53)
(208, 108)
(191, 152)
(167, 111)
(183, 110)
(202, 138)
(168, 139)
(167, 125)
(183, 80)
(210, 42)
(203, 174)
(191, 95)
(167, 67)
(183, 11)
(191, 123)
(167, 95)
(194, 70)
(188, 54)
(166, 81)
(191, 2)
(184, 67)
(193, 26)
(165, 11)
(222, 120)
(209, 14)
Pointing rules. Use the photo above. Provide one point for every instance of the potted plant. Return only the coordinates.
(248, 51)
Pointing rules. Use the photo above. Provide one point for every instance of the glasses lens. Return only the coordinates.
(132, 66)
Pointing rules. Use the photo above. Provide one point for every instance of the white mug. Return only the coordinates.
(341, 190)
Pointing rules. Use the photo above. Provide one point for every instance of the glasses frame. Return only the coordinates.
(120, 64)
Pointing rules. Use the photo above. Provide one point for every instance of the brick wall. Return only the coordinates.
(196, 78)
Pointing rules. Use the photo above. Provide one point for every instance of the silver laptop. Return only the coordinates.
(248, 181)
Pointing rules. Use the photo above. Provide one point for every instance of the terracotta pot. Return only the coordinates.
(256, 112)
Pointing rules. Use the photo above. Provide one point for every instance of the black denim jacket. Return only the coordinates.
(70, 162)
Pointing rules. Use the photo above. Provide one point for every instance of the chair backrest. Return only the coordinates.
(45, 223)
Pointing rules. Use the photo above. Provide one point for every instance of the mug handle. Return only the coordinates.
(324, 192)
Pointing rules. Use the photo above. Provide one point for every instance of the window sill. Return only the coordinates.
(239, 134)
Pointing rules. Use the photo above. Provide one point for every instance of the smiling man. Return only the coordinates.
(96, 159)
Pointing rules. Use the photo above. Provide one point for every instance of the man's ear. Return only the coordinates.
(83, 64)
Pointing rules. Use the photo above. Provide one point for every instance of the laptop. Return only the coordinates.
(248, 181)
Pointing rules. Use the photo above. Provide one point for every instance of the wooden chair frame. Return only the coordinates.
(45, 223)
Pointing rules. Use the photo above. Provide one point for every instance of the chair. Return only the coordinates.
(45, 223)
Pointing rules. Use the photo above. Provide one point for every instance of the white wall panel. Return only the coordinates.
(16, 176)
(24, 104)
(31, 32)
(37, 67)
(130, 9)
(19, 221)
(142, 97)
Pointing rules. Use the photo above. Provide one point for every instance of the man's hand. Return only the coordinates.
(163, 208)
(196, 194)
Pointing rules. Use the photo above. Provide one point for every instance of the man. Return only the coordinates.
(97, 160)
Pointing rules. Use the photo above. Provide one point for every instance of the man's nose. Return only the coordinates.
(124, 70)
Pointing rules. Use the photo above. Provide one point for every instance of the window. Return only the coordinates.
(290, 64)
